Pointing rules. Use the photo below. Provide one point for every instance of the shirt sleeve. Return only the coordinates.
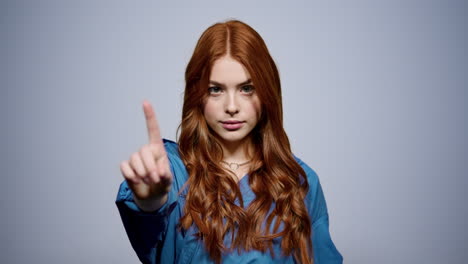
(147, 230)
(144, 230)
(324, 249)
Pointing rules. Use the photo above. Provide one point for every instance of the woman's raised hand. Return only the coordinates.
(147, 171)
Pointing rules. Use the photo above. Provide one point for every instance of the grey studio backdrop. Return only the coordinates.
(375, 100)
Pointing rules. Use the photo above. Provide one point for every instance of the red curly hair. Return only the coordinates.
(275, 177)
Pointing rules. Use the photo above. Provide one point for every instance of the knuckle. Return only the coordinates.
(132, 179)
(124, 167)
(155, 150)
(134, 156)
(162, 170)
(128, 177)
(123, 164)
(150, 167)
(144, 149)
(141, 171)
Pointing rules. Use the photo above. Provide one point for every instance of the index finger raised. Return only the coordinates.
(154, 134)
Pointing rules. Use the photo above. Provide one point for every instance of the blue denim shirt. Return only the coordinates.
(156, 238)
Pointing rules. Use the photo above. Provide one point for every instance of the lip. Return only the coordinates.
(232, 124)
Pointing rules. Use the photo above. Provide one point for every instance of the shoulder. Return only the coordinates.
(178, 169)
(315, 199)
(172, 150)
(171, 147)
(311, 175)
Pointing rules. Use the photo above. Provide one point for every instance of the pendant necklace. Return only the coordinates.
(233, 165)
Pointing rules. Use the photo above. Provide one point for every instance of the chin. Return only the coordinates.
(233, 138)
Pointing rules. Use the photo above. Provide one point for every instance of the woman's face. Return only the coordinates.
(232, 108)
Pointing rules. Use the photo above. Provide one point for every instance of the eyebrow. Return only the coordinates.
(240, 84)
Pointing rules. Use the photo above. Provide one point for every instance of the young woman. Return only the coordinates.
(230, 190)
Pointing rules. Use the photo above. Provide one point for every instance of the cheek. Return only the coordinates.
(209, 110)
(257, 107)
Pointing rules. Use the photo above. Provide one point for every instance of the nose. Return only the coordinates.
(231, 105)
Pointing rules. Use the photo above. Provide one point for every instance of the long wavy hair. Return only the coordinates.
(278, 181)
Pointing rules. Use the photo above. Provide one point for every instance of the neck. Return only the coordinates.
(236, 151)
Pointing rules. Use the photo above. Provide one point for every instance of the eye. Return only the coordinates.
(214, 90)
(247, 89)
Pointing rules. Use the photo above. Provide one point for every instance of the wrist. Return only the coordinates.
(150, 204)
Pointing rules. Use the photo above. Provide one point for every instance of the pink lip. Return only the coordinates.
(232, 124)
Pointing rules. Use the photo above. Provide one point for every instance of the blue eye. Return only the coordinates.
(214, 90)
(248, 89)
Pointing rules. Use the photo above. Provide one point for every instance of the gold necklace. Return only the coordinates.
(234, 165)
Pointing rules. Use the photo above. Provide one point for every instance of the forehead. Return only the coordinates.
(228, 71)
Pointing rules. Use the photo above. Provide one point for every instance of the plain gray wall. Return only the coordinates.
(375, 100)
